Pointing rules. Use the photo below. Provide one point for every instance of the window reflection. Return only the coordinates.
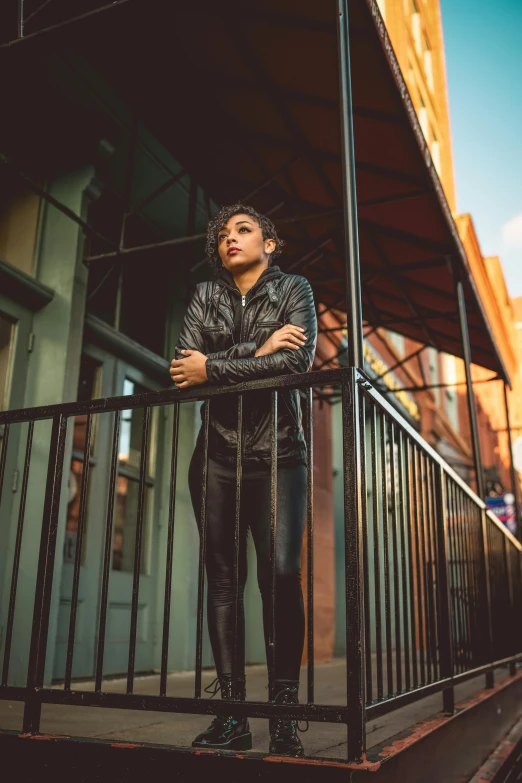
(131, 429)
(125, 524)
(129, 462)
(74, 488)
(88, 389)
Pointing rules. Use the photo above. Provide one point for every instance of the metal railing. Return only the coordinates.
(433, 581)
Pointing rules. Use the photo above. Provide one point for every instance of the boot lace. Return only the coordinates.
(214, 688)
(288, 696)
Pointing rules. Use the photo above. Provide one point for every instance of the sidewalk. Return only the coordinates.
(322, 739)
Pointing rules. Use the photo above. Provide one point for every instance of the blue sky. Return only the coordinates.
(483, 41)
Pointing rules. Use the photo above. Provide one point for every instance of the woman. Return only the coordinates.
(251, 321)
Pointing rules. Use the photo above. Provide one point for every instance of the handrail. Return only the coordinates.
(202, 392)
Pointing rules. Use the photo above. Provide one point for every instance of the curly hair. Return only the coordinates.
(221, 219)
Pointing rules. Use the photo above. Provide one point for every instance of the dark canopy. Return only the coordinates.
(245, 95)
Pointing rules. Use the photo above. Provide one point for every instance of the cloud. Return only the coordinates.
(512, 232)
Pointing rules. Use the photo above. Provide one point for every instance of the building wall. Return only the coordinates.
(415, 29)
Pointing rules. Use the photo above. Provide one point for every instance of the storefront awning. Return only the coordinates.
(245, 95)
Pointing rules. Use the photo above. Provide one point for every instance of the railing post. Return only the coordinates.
(20, 19)
(44, 577)
(351, 238)
(514, 479)
(486, 598)
(353, 465)
(444, 615)
(472, 408)
(510, 625)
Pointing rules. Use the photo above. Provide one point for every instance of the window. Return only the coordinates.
(127, 488)
(7, 333)
(450, 376)
(416, 28)
(423, 119)
(428, 64)
(19, 218)
(435, 151)
(434, 371)
(89, 388)
(397, 341)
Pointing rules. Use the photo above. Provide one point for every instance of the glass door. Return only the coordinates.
(103, 375)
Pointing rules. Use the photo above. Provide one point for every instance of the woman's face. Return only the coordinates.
(241, 244)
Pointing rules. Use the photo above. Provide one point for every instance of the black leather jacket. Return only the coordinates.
(275, 300)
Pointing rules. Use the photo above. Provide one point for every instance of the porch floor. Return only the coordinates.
(322, 740)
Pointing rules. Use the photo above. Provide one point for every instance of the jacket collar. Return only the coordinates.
(267, 279)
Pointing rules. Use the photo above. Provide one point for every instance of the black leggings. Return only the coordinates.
(254, 515)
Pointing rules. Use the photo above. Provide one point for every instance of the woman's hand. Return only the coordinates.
(288, 336)
(189, 371)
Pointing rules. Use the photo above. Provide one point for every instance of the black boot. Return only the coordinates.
(284, 740)
(226, 732)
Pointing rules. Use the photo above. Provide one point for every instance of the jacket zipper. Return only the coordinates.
(243, 304)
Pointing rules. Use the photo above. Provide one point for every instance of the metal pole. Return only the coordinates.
(473, 421)
(20, 20)
(353, 273)
(444, 614)
(354, 525)
(514, 481)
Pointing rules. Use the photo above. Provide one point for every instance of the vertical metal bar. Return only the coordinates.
(468, 548)
(450, 567)
(376, 550)
(20, 19)
(237, 535)
(202, 554)
(16, 558)
(463, 577)
(512, 616)
(434, 561)
(487, 618)
(366, 564)
(458, 579)
(450, 514)
(107, 550)
(467, 576)
(404, 563)
(469, 580)
(44, 577)
(273, 537)
(419, 565)
(3, 457)
(430, 564)
(457, 604)
(411, 558)
(474, 549)
(353, 461)
(422, 536)
(469, 384)
(170, 551)
(353, 275)
(78, 554)
(138, 545)
(386, 556)
(395, 549)
(310, 538)
(514, 480)
(444, 613)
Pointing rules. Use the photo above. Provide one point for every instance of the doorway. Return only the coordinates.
(104, 375)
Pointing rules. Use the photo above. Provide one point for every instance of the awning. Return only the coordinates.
(245, 94)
